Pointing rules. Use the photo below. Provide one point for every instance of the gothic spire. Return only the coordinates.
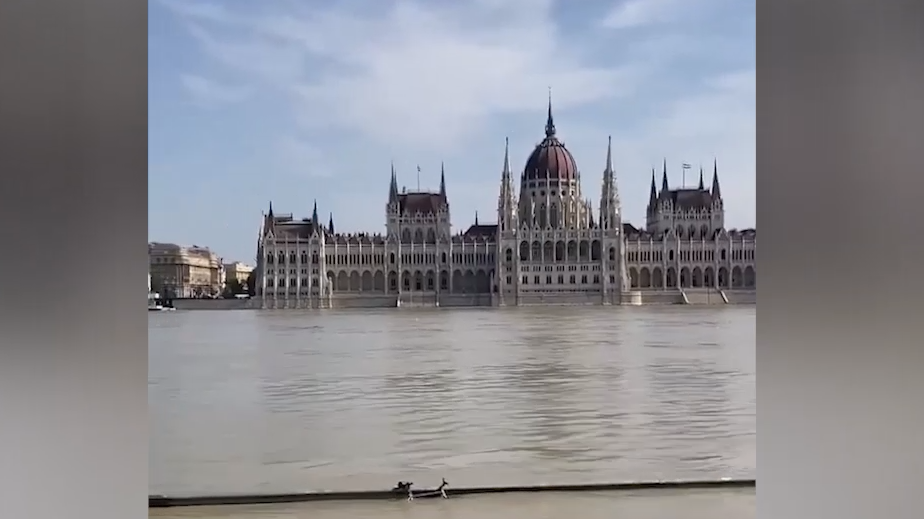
(653, 192)
(315, 223)
(506, 180)
(330, 224)
(443, 180)
(664, 188)
(506, 215)
(269, 221)
(609, 194)
(702, 186)
(393, 187)
(716, 190)
(550, 121)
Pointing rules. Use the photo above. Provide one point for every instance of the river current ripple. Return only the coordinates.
(248, 401)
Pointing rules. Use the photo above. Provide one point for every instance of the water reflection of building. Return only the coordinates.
(178, 271)
(546, 391)
(693, 412)
(548, 245)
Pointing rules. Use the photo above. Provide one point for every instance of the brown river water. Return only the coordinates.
(283, 401)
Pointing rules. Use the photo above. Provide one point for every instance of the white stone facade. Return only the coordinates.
(548, 246)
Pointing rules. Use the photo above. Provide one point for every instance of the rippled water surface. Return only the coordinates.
(244, 401)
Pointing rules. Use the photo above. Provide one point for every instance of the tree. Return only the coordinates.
(251, 284)
(233, 287)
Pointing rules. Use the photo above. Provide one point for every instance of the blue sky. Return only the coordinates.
(293, 101)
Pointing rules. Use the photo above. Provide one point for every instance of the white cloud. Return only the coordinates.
(430, 75)
(421, 73)
(209, 92)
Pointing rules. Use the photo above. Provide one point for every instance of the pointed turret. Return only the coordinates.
(393, 187)
(506, 212)
(443, 181)
(609, 194)
(716, 190)
(269, 221)
(664, 188)
(702, 186)
(476, 217)
(330, 224)
(653, 191)
(315, 224)
(614, 186)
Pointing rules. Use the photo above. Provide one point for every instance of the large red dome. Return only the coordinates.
(550, 160)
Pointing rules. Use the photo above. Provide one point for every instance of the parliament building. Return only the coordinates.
(549, 246)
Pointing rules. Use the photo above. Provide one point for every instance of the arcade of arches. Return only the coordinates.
(571, 251)
(468, 281)
(656, 277)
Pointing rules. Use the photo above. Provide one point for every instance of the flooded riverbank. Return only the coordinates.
(646, 504)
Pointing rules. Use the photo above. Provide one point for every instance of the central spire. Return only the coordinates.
(550, 122)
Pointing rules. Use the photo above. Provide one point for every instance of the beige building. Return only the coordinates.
(178, 271)
(238, 272)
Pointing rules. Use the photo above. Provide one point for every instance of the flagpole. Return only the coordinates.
(418, 178)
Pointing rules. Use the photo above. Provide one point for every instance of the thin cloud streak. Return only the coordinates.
(632, 14)
(210, 92)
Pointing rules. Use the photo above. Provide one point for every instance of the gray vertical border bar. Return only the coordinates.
(840, 354)
(73, 360)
